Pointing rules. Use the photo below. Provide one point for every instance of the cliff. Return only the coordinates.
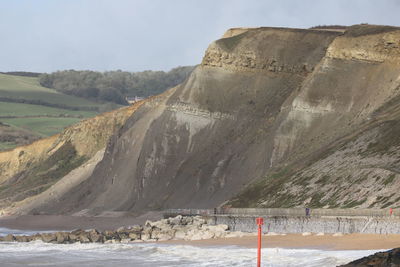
(337, 143)
(29, 170)
(273, 117)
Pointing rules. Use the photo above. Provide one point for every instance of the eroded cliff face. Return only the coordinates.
(337, 143)
(201, 142)
(29, 170)
(358, 75)
(267, 107)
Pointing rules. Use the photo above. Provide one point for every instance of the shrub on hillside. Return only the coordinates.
(114, 86)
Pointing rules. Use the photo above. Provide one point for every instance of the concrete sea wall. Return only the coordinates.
(313, 224)
(372, 221)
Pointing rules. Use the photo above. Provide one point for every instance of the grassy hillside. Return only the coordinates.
(9, 109)
(29, 111)
(27, 88)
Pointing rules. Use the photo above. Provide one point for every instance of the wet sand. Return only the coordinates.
(313, 241)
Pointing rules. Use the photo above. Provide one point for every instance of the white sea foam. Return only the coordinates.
(40, 254)
(154, 254)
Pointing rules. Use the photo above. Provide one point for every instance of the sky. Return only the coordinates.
(137, 35)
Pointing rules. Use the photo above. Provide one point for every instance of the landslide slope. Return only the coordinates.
(300, 117)
(29, 170)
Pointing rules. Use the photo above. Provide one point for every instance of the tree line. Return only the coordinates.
(22, 73)
(114, 86)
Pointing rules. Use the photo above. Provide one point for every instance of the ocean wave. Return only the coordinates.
(154, 254)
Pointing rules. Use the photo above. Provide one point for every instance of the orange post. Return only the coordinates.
(260, 222)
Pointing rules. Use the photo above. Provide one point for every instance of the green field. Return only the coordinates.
(21, 110)
(6, 145)
(28, 109)
(41, 126)
(28, 88)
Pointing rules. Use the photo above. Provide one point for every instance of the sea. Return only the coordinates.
(38, 253)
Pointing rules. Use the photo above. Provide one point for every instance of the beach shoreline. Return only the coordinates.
(248, 240)
(300, 241)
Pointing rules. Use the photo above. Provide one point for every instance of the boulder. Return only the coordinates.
(135, 235)
(146, 233)
(197, 234)
(122, 230)
(219, 230)
(123, 235)
(135, 228)
(163, 234)
(23, 238)
(203, 235)
(220, 234)
(110, 235)
(187, 220)
(62, 237)
(180, 234)
(74, 235)
(198, 221)
(192, 227)
(73, 238)
(190, 233)
(84, 237)
(223, 227)
(9, 238)
(161, 224)
(95, 236)
(48, 237)
(176, 220)
(77, 232)
(36, 237)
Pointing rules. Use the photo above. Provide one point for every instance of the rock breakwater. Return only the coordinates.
(177, 228)
(386, 258)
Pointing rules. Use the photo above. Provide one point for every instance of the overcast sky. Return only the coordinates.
(135, 35)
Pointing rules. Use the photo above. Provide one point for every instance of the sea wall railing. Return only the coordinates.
(283, 212)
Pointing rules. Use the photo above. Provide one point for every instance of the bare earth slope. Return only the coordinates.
(30, 170)
(272, 117)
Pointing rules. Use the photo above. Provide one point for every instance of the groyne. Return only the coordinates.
(296, 221)
(177, 228)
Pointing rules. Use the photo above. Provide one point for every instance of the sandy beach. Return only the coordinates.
(313, 241)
